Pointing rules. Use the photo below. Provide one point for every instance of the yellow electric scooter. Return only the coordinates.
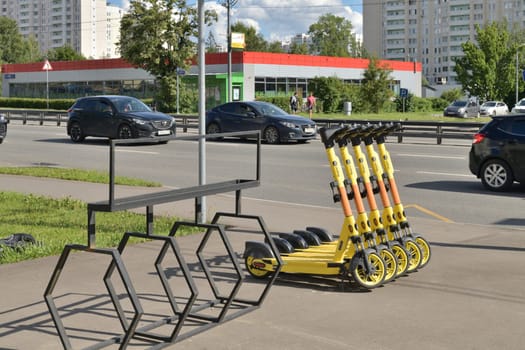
(363, 223)
(348, 257)
(356, 134)
(379, 135)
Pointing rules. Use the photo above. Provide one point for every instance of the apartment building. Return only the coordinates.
(89, 26)
(431, 31)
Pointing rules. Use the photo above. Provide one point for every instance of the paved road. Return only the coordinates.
(470, 296)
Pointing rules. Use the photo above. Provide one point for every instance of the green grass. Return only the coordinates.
(434, 116)
(57, 222)
(76, 174)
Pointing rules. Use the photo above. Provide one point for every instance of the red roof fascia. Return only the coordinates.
(111, 63)
(238, 57)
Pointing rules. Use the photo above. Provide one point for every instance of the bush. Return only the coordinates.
(36, 103)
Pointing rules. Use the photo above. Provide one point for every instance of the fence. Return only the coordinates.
(437, 130)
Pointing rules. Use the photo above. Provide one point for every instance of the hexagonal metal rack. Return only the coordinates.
(130, 327)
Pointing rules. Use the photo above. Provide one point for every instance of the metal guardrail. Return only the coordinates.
(437, 130)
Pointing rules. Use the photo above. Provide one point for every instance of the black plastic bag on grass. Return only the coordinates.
(16, 241)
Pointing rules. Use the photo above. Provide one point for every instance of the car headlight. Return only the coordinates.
(461, 110)
(288, 124)
(2, 118)
(139, 121)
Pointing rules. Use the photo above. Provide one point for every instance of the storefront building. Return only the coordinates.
(253, 74)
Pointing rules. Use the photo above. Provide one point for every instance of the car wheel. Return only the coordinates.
(496, 175)
(214, 128)
(271, 135)
(75, 132)
(125, 132)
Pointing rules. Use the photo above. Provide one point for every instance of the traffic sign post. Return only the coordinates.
(403, 93)
(47, 67)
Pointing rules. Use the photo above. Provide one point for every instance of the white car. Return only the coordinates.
(519, 107)
(494, 108)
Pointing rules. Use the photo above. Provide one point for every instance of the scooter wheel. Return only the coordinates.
(368, 278)
(414, 255)
(402, 258)
(425, 250)
(253, 270)
(390, 263)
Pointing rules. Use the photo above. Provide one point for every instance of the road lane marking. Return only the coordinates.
(430, 212)
(428, 156)
(133, 151)
(443, 174)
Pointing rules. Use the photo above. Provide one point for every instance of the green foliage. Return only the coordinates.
(375, 88)
(299, 48)
(438, 104)
(332, 36)
(254, 41)
(166, 100)
(486, 70)
(329, 91)
(76, 175)
(281, 101)
(452, 95)
(36, 103)
(64, 53)
(13, 47)
(158, 35)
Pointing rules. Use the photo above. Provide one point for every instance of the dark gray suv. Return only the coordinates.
(116, 117)
(3, 128)
(497, 155)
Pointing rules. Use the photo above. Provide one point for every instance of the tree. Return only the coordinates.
(13, 47)
(157, 36)
(33, 53)
(64, 53)
(329, 91)
(275, 47)
(332, 36)
(254, 41)
(299, 48)
(375, 89)
(211, 43)
(487, 68)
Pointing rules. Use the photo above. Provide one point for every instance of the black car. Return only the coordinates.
(116, 117)
(497, 155)
(3, 128)
(275, 124)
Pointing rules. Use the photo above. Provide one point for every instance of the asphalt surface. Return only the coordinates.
(470, 296)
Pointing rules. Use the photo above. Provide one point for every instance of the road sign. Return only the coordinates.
(403, 92)
(47, 66)
(181, 71)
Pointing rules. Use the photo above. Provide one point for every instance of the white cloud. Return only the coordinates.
(280, 20)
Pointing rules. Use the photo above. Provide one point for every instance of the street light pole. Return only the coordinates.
(229, 4)
(517, 69)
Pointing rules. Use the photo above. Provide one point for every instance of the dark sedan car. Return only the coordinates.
(497, 155)
(3, 128)
(116, 117)
(275, 124)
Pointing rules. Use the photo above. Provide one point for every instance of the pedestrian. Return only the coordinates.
(294, 102)
(310, 104)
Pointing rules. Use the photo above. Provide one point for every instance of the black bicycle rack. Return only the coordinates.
(226, 305)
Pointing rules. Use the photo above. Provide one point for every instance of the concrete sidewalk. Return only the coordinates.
(470, 296)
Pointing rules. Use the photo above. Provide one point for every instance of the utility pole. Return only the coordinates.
(229, 4)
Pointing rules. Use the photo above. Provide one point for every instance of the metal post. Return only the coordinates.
(201, 216)
(517, 70)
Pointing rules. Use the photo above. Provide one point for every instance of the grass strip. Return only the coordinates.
(76, 175)
(57, 222)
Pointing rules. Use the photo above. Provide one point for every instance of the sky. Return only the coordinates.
(278, 19)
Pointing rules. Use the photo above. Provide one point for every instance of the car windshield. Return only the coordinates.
(130, 105)
(459, 103)
(521, 103)
(489, 104)
(269, 109)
